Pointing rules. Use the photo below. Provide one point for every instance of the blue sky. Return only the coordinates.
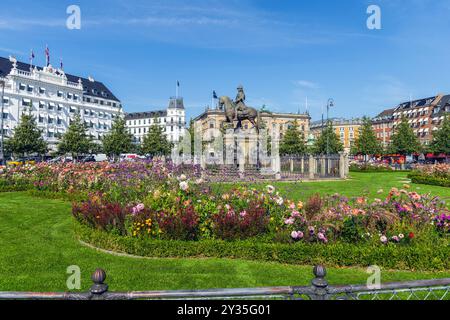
(281, 51)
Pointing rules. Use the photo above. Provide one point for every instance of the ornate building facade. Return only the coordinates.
(213, 120)
(346, 130)
(172, 120)
(54, 98)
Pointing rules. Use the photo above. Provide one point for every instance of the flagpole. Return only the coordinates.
(307, 109)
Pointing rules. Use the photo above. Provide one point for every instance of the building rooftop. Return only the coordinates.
(336, 121)
(176, 103)
(145, 115)
(91, 87)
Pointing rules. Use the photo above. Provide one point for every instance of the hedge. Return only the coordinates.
(429, 180)
(418, 257)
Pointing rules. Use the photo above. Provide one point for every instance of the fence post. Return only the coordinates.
(322, 166)
(99, 288)
(311, 167)
(302, 164)
(342, 163)
(319, 284)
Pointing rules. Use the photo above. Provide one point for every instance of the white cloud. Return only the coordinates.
(306, 84)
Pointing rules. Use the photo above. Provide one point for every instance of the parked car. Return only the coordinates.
(95, 158)
(21, 161)
(130, 157)
(60, 160)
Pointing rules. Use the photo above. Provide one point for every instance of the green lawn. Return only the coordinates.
(38, 244)
(357, 185)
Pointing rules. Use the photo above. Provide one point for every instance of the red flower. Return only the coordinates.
(411, 235)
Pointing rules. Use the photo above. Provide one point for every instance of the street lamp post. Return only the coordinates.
(2, 154)
(330, 104)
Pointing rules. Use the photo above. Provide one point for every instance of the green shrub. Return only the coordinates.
(420, 178)
(416, 257)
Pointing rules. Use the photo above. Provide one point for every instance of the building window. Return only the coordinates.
(51, 106)
(59, 121)
(5, 115)
(22, 87)
(41, 104)
(30, 89)
(5, 101)
(60, 94)
(50, 120)
(26, 102)
(60, 107)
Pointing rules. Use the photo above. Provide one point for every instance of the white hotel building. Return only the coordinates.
(172, 120)
(54, 98)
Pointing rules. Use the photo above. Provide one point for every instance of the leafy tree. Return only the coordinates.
(367, 143)
(155, 142)
(27, 138)
(404, 141)
(118, 140)
(441, 138)
(76, 141)
(293, 141)
(334, 143)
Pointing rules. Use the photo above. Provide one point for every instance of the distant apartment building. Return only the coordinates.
(425, 117)
(172, 120)
(383, 126)
(54, 97)
(346, 130)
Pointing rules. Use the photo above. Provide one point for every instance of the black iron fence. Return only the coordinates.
(318, 290)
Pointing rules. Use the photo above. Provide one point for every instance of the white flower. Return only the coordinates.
(401, 236)
(199, 181)
(270, 189)
(383, 239)
(184, 186)
(182, 177)
(280, 201)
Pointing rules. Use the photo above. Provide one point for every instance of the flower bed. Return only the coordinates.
(153, 209)
(121, 182)
(370, 167)
(438, 175)
(184, 210)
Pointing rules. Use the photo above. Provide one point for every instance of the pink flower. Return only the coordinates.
(322, 237)
(383, 239)
(297, 235)
(243, 214)
(295, 214)
(289, 221)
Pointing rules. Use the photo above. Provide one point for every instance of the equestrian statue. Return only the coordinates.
(237, 110)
